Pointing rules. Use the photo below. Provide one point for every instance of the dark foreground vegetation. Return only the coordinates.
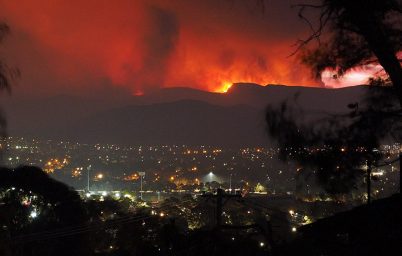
(41, 216)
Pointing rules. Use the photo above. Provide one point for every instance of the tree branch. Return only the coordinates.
(325, 16)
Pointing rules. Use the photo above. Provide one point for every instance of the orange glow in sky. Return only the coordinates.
(356, 76)
(142, 45)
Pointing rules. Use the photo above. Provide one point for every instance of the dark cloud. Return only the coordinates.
(160, 43)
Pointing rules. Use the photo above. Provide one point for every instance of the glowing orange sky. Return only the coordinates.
(142, 45)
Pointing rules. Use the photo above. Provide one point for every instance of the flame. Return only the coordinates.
(147, 44)
(224, 88)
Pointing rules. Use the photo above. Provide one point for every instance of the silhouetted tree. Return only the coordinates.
(6, 75)
(354, 33)
(336, 147)
(5, 71)
(56, 206)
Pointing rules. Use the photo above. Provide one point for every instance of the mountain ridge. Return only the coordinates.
(234, 118)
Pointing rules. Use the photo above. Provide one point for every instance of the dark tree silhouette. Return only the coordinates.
(4, 69)
(4, 79)
(7, 74)
(60, 207)
(337, 147)
(355, 33)
(349, 34)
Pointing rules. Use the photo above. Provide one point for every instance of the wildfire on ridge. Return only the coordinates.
(224, 88)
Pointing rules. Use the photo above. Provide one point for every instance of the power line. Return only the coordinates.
(79, 229)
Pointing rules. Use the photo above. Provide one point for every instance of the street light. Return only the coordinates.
(142, 174)
(211, 176)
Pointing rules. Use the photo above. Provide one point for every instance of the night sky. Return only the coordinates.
(136, 46)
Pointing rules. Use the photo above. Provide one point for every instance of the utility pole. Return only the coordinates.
(220, 195)
(230, 184)
(88, 170)
(219, 207)
(220, 202)
(368, 182)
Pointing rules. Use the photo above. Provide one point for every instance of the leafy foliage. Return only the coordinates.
(59, 207)
(355, 33)
(336, 147)
(350, 32)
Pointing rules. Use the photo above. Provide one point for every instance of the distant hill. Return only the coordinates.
(169, 115)
(259, 96)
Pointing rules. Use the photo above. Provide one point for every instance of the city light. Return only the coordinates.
(33, 214)
(128, 196)
(183, 178)
(211, 177)
(213, 128)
